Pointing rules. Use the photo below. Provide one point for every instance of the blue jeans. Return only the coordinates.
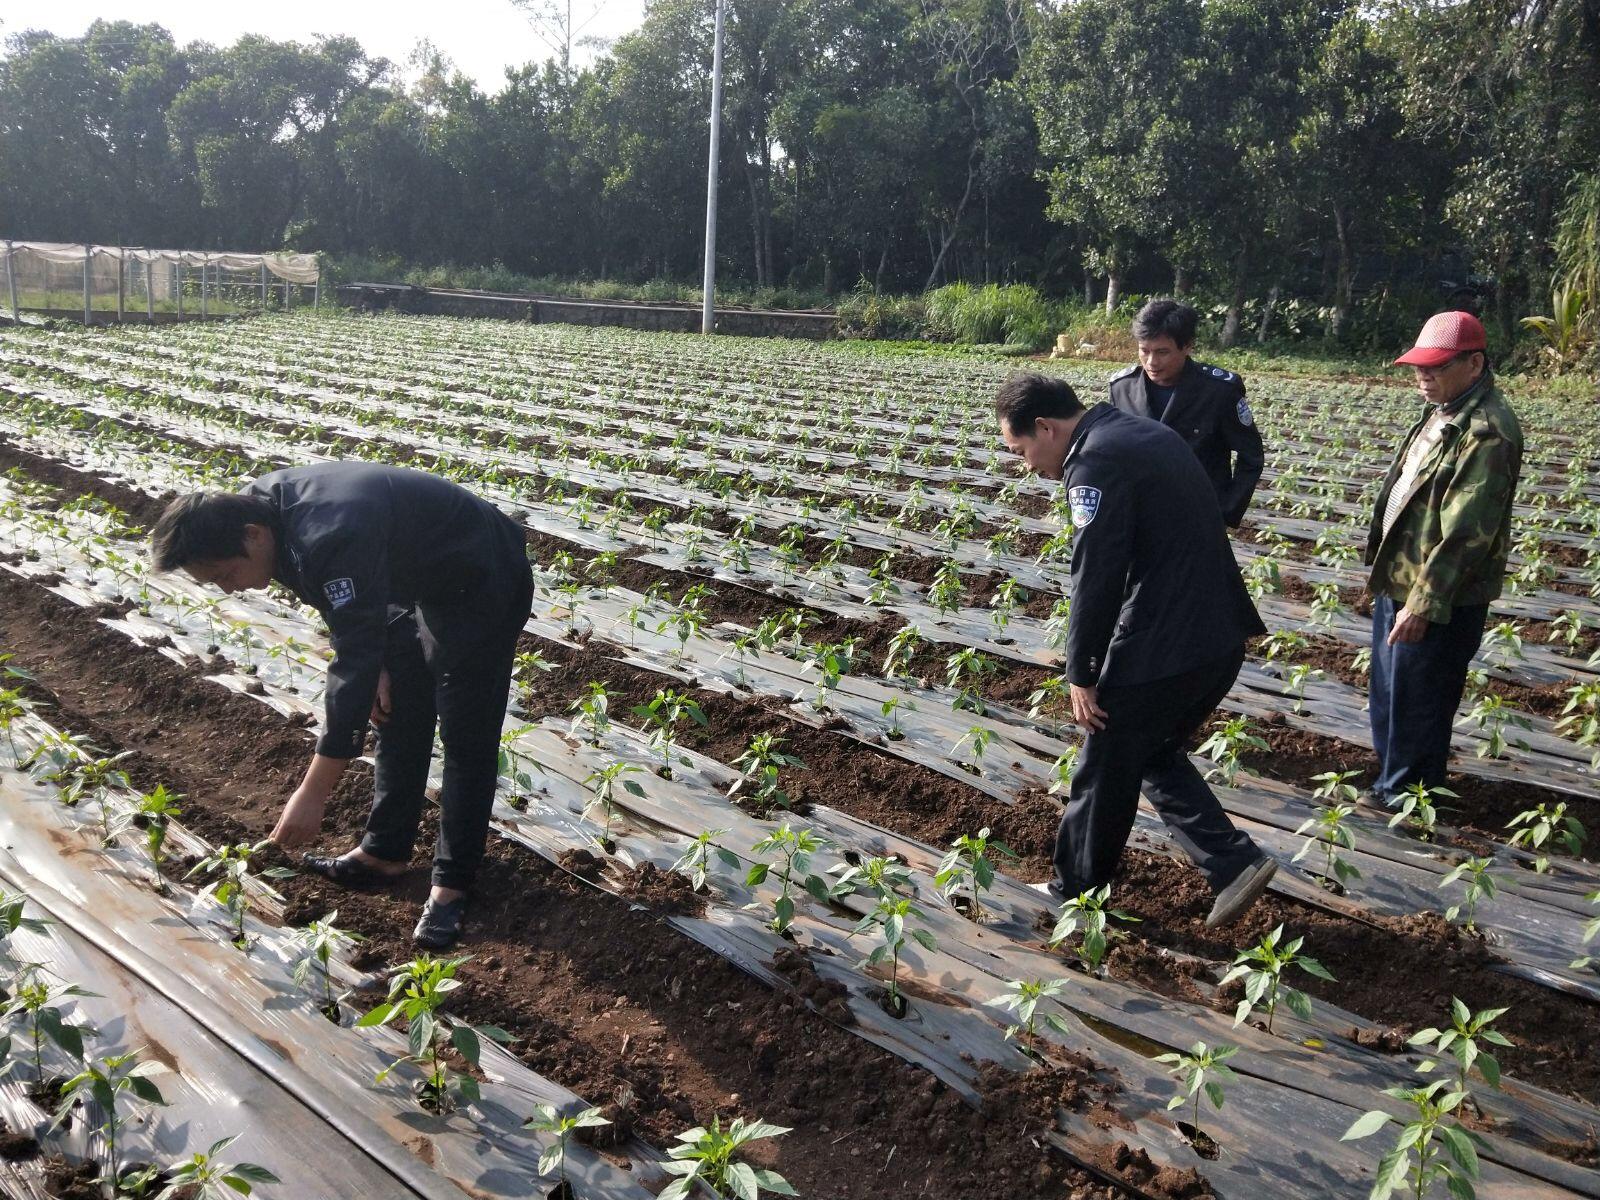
(1414, 692)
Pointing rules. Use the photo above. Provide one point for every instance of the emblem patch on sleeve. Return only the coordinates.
(1085, 502)
(339, 591)
(1245, 417)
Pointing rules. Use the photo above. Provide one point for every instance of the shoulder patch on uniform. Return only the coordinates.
(339, 591)
(1221, 374)
(1245, 417)
(1085, 503)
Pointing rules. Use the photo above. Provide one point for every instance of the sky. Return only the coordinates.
(482, 37)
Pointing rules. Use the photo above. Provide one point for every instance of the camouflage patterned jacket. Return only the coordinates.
(1449, 541)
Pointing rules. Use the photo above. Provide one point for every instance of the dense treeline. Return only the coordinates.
(1297, 151)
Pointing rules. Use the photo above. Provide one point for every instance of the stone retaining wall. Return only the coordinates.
(674, 318)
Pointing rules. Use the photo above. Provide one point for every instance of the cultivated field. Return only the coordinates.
(798, 615)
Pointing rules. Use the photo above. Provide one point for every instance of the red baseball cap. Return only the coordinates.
(1446, 335)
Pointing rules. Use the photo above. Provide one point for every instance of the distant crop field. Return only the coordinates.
(788, 741)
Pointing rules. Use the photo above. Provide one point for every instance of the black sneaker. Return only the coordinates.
(1234, 901)
(1376, 802)
(439, 927)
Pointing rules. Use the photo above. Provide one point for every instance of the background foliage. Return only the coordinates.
(1307, 168)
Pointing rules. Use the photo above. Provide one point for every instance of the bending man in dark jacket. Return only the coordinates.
(1204, 405)
(1156, 636)
(424, 588)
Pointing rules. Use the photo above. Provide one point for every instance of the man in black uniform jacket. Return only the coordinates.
(1205, 405)
(424, 588)
(1156, 636)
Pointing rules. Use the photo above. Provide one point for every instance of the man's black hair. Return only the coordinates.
(205, 526)
(1167, 318)
(1024, 398)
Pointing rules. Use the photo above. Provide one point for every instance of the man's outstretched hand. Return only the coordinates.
(301, 819)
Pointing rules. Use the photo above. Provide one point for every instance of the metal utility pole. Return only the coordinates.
(11, 279)
(707, 314)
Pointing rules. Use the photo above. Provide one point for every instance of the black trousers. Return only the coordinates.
(450, 667)
(1414, 691)
(1148, 726)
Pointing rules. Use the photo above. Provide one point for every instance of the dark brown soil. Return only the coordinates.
(828, 998)
(840, 771)
(1399, 972)
(662, 891)
(71, 1181)
(15, 1147)
(1544, 633)
(1483, 806)
(1329, 655)
(140, 508)
(1135, 1166)
(605, 999)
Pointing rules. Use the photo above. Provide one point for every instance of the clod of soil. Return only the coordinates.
(1385, 1041)
(1134, 1165)
(663, 891)
(15, 1147)
(71, 1181)
(828, 997)
(1202, 1142)
(585, 864)
(605, 1137)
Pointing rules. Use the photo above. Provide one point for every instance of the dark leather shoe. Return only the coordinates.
(440, 925)
(345, 871)
(1235, 900)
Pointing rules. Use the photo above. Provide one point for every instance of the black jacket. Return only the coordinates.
(1209, 410)
(1155, 587)
(365, 544)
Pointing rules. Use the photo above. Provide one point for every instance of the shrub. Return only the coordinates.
(1015, 314)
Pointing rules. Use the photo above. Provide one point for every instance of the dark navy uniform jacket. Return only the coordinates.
(1155, 587)
(366, 544)
(1209, 411)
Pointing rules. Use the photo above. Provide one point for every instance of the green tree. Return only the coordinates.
(1111, 83)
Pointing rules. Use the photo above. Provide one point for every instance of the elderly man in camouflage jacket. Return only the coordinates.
(1437, 549)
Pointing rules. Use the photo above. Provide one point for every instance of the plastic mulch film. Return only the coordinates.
(247, 1049)
(954, 1022)
(1538, 923)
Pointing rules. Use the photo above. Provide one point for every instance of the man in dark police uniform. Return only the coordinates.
(1204, 405)
(425, 589)
(1156, 636)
